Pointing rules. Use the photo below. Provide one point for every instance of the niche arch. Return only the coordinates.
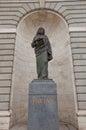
(60, 68)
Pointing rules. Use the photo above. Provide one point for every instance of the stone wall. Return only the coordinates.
(60, 68)
(11, 13)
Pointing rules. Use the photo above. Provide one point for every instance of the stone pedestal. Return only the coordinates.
(43, 105)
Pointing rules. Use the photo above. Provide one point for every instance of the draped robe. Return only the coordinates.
(43, 53)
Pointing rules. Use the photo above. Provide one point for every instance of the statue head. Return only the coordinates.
(41, 31)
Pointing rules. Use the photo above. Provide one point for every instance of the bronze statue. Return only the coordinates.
(43, 53)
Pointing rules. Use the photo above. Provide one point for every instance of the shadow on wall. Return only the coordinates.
(60, 68)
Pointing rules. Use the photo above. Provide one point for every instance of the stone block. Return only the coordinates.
(5, 76)
(43, 105)
(81, 89)
(4, 98)
(52, 5)
(4, 41)
(26, 7)
(80, 62)
(78, 45)
(79, 56)
(80, 68)
(82, 105)
(80, 75)
(5, 90)
(78, 39)
(4, 106)
(82, 97)
(7, 57)
(6, 70)
(6, 52)
(77, 34)
(81, 82)
(7, 63)
(82, 122)
(4, 123)
(6, 35)
(5, 83)
(79, 51)
(7, 46)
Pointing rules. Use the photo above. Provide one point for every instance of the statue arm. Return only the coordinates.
(50, 57)
(48, 44)
(33, 44)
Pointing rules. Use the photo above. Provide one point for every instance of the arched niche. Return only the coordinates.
(60, 68)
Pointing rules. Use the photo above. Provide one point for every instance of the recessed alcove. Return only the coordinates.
(60, 68)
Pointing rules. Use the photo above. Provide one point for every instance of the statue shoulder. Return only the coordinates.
(47, 39)
(46, 36)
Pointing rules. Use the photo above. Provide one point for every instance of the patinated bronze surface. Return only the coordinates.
(43, 53)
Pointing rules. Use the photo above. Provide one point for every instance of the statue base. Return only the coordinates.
(43, 105)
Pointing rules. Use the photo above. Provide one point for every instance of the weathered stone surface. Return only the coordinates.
(5, 76)
(60, 68)
(43, 105)
(4, 106)
(75, 12)
(61, 127)
(82, 105)
(4, 123)
(81, 89)
(82, 122)
(5, 90)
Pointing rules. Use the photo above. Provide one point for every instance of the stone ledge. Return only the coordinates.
(76, 29)
(81, 113)
(4, 120)
(39, 86)
(5, 113)
(24, 127)
(8, 30)
(82, 122)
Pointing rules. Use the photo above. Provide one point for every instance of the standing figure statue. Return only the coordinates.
(43, 53)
